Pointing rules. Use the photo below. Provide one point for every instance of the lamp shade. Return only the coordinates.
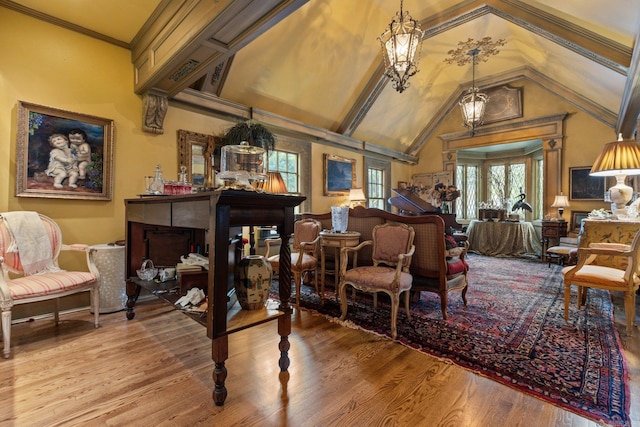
(618, 157)
(357, 197)
(274, 183)
(560, 201)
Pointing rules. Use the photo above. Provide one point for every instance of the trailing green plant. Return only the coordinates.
(251, 131)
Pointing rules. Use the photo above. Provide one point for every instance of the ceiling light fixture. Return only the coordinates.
(473, 102)
(401, 43)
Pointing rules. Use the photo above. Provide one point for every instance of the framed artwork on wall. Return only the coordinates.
(505, 104)
(339, 175)
(422, 179)
(62, 154)
(583, 186)
(576, 220)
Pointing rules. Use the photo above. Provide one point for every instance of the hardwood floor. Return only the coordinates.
(157, 370)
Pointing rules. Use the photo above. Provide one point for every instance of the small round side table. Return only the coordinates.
(336, 241)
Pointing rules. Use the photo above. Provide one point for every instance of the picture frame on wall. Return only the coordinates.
(339, 175)
(62, 154)
(576, 220)
(583, 186)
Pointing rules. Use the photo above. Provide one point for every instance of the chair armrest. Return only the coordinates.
(404, 260)
(269, 242)
(607, 245)
(90, 255)
(344, 254)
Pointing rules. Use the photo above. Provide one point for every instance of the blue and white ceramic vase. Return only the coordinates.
(252, 281)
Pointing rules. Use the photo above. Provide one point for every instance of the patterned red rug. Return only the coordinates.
(513, 331)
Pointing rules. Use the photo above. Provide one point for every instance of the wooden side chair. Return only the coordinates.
(391, 254)
(304, 252)
(586, 274)
(40, 278)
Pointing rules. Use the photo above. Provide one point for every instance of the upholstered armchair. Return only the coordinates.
(304, 252)
(392, 249)
(587, 274)
(30, 245)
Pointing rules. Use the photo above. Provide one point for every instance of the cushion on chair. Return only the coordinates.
(45, 284)
(377, 277)
(308, 261)
(456, 266)
(605, 275)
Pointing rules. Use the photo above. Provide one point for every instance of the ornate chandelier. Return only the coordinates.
(401, 43)
(473, 102)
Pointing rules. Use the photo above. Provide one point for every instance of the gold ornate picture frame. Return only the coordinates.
(63, 155)
(339, 175)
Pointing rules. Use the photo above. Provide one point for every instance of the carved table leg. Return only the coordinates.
(220, 353)
(133, 292)
(284, 329)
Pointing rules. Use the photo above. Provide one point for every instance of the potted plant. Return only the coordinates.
(251, 131)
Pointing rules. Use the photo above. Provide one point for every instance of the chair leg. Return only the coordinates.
(406, 304)
(6, 332)
(567, 298)
(297, 278)
(443, 305)
(342, 288)
(630, 310)
(395, 303)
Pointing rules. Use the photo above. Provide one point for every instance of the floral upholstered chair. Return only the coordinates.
(588, 274)
(30, 244)
(391, 254)
(304, 252)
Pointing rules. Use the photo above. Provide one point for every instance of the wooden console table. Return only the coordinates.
(205, 219)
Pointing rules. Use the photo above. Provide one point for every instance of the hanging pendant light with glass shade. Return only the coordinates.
(473, 102)
(401, 43)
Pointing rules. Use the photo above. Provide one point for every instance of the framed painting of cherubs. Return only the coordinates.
(63, 155)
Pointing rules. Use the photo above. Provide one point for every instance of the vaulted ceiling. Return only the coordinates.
(314, 67)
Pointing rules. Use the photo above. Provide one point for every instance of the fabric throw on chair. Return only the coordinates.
(29, 236)
(513, 331)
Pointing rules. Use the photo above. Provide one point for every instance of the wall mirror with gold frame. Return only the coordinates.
(196, 152)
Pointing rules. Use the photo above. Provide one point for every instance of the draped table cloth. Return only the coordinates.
(503, 239)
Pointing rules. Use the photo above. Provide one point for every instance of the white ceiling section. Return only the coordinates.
(316, 64)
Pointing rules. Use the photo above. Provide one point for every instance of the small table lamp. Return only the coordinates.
(560, 202)
(357, 197)
(274, 183)
(619, 158)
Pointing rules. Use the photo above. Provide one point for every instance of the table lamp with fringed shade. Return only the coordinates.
(560, 202)
(357, 197)
(619, 158)
(274, 183)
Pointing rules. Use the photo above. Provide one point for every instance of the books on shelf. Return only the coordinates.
(187, 268)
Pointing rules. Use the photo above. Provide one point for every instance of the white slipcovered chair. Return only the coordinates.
(30, 244)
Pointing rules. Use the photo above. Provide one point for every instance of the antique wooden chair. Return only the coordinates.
(391, 254)
(304, 252)
(586, 274)
(40, 278)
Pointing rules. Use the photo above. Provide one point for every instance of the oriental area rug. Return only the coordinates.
(512, 331)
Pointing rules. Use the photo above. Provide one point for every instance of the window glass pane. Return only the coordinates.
(496, 185)
(287, 164)
(375, 189)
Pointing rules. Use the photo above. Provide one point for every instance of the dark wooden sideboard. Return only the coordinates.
(206, 218)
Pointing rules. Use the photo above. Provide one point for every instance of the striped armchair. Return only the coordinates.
(49, 282)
